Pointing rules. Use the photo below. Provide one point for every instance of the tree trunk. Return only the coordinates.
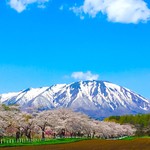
(54, 135)
(43, 134)
(28, 133)
(17, 135)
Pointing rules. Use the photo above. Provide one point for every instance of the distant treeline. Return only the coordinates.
(140, 121)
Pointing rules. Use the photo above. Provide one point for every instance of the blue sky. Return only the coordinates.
(63, 42)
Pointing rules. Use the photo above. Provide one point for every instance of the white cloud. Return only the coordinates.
(21, 5)
(123, 11)
(84, 76)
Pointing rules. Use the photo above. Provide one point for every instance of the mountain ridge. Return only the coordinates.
(94, 98)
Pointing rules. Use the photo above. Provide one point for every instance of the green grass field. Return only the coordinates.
(134, 137)
(50, 141)
(142, 143)
(60, 141)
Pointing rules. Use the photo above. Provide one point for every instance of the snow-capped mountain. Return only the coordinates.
(95, 98)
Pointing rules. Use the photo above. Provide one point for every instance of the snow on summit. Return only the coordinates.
(94, 98)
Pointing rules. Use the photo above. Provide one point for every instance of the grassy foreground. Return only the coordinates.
(51, 141)
(96, 144)
(135, 137)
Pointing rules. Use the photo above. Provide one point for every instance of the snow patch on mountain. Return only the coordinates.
(95, 98)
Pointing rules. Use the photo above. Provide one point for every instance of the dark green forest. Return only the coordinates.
(140, 121)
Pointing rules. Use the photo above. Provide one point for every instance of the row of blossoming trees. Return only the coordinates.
(57, 123)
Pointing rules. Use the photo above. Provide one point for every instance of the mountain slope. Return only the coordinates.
(95, 98)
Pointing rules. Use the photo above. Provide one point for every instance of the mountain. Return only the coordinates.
(95, 98)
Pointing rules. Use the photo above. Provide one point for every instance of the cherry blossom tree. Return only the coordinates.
(58, 122)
